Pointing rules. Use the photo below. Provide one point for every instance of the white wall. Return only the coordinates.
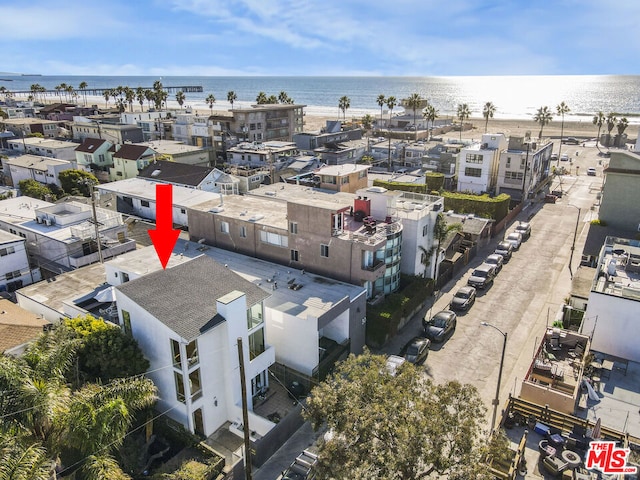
(295, 340)
(615, 320)
(17, 261)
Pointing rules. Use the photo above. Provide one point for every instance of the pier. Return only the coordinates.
(100, 91)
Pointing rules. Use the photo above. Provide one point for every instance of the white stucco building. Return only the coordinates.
(43, 170)
(478, 164)
(14, 263)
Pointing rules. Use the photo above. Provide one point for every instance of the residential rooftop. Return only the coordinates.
(170, 147)
(17, 325)
(44, 142)
(146, 190)
(35, 162)
(27, 120)
(618, 269)
(6, 237)
(166, 171)
(341, 170)
(17, 210)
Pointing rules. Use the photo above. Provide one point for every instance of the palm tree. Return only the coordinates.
(129, 96)
(561, 109)
(543, 116)
(622, 125)
(261, 98)
(106, 94)
(180, 97)
(367, 122)
(211, 100)
(140, 97)
(83, 87)
(430, 114)
(231, 98)
(284, 98)
(58, 88)
(391, 103)
(343, 104)
(463, 114)
(149, 96)
(487, 112)
(63, 88)
(611, 123)
(381, 100)
(414, 102)
(21, 458)
(598, 119)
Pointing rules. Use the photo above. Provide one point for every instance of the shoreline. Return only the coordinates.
(315, 120)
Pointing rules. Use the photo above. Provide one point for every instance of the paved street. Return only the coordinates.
(525, 297)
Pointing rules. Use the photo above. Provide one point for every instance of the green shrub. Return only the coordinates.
(598, 223)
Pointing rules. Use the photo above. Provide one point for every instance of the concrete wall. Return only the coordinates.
(544, 395)
(620, 203)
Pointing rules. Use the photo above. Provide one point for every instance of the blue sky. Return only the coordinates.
(320, 37)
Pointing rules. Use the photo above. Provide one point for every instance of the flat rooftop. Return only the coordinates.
(341, 170)
(305, 195)
(618, 270)
(17, 210)
(170, 147)
(146, 190)
(44, 143)
(36, 162)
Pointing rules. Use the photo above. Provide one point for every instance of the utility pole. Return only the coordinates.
(245, 415)
(95, 220)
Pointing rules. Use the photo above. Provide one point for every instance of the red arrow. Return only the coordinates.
(164, 237)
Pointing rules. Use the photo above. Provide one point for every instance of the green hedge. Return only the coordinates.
(480, 205)
(434, 181)
(383, 319)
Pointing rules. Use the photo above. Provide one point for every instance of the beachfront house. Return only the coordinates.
(478, 164)
(523, 166)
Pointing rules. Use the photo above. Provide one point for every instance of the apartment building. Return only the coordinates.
(14, 263)
(620, 202)
(478, 164)
(270, 122)
(46, 147)
(43, 170)
(523, 165)
(266, 155)
(27, 125)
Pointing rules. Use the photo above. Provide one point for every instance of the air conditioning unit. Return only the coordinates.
(38, 219)
(48, 221)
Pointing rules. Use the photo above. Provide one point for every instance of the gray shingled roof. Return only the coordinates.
(175, 172)
(184, 297)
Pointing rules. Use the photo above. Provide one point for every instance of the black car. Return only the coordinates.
(463, 299)
(417, 350)
(440, 326)
(505, 249)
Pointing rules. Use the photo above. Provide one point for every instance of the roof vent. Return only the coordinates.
(217, 209)
(155, 173)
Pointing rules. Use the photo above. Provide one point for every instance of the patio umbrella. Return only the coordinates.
(106, 295)
(596, 429)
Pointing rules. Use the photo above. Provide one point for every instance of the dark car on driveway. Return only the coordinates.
(463, 299)
(505, 249)
(440, 325)
(417, 350)
(496, 260)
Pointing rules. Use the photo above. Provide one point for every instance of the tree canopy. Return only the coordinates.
(34, 189)
(399, 426)
(77, 182)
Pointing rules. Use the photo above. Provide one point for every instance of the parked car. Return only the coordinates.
(516, 240)
(482, 276)
(571, 141)
(505, 249)
(301, 468)
(554, 157)
(417, 350)
(464, 298)
(440, 325)
(564, 157)
(524, 228)
(496, 260)
(591, 171)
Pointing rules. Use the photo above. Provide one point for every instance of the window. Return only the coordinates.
(474, 158)
(344, 180)
(192, 352)
(119, 174)
(513, 175)
(7, 251)
(274, 239)
(14, 274)
(183, 211)
(473, 172)
(508, 162)
(522, 162)
(126, 320)
(362, 174)
(224, 227)
(259, 125)
(254, 316)
(175, 353)
(125, 277)
(195, 386)
(144, 203)
(425, 230)
(293, 227)
(294, 255)
(243, 232)
(252, 126)
(256, 343)
(179, 387)
(324, 250)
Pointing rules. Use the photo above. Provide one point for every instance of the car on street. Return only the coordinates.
(515, 238)
(417, 350)
(591, 171)
(440, 325)
(554, 157)
(496, 260)
(524, 228)
(301, 468)
(571, 141)
(505, 249)
(564, 157)
(464, 298)
(482, 276)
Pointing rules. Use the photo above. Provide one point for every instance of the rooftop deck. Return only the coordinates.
(619, 269)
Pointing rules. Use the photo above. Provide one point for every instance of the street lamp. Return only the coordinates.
(496, 400)
(573, 244)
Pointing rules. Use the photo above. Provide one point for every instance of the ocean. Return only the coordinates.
(515, 97)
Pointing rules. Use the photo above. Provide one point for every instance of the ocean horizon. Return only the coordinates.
(515, 97)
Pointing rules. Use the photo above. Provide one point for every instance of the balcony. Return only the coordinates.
(78, 261)
(377, 264)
